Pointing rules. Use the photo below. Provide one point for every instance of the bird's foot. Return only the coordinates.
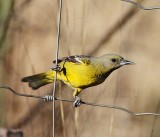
(56, 68)
(77, 102)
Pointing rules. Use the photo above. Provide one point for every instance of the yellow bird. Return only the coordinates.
(79, 72)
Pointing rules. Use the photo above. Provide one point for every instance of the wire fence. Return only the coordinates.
(53, 98)
(140, 6)
(56, 64)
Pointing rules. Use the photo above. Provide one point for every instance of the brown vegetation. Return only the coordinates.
(88, 27)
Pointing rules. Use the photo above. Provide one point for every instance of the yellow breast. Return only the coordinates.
(78, 75)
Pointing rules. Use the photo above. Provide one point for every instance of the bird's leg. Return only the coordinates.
(77, 101)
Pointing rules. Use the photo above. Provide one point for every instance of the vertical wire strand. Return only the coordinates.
(57, 52)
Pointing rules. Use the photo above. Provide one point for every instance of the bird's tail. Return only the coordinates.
(39, 80)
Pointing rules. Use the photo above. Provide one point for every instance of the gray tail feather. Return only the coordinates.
(37, 81)
(34, 77)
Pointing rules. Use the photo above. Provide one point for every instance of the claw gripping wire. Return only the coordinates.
(56, 68)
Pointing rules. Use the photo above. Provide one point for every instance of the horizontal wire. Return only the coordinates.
(20, 94)
(140, 6)
(82, 102)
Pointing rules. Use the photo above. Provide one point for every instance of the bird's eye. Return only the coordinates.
(113, 60)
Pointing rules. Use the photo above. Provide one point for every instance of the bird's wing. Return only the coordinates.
(60, 60)
(78, 59)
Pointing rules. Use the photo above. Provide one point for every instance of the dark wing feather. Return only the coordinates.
(60, 60)
(75, 59)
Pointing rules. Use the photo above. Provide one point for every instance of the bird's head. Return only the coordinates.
(113, 61)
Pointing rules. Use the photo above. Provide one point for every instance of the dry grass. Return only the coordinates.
(88, 27)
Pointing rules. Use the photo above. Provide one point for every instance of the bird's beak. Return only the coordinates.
(126, 62)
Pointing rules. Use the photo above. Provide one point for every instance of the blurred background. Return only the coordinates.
(28, 31)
